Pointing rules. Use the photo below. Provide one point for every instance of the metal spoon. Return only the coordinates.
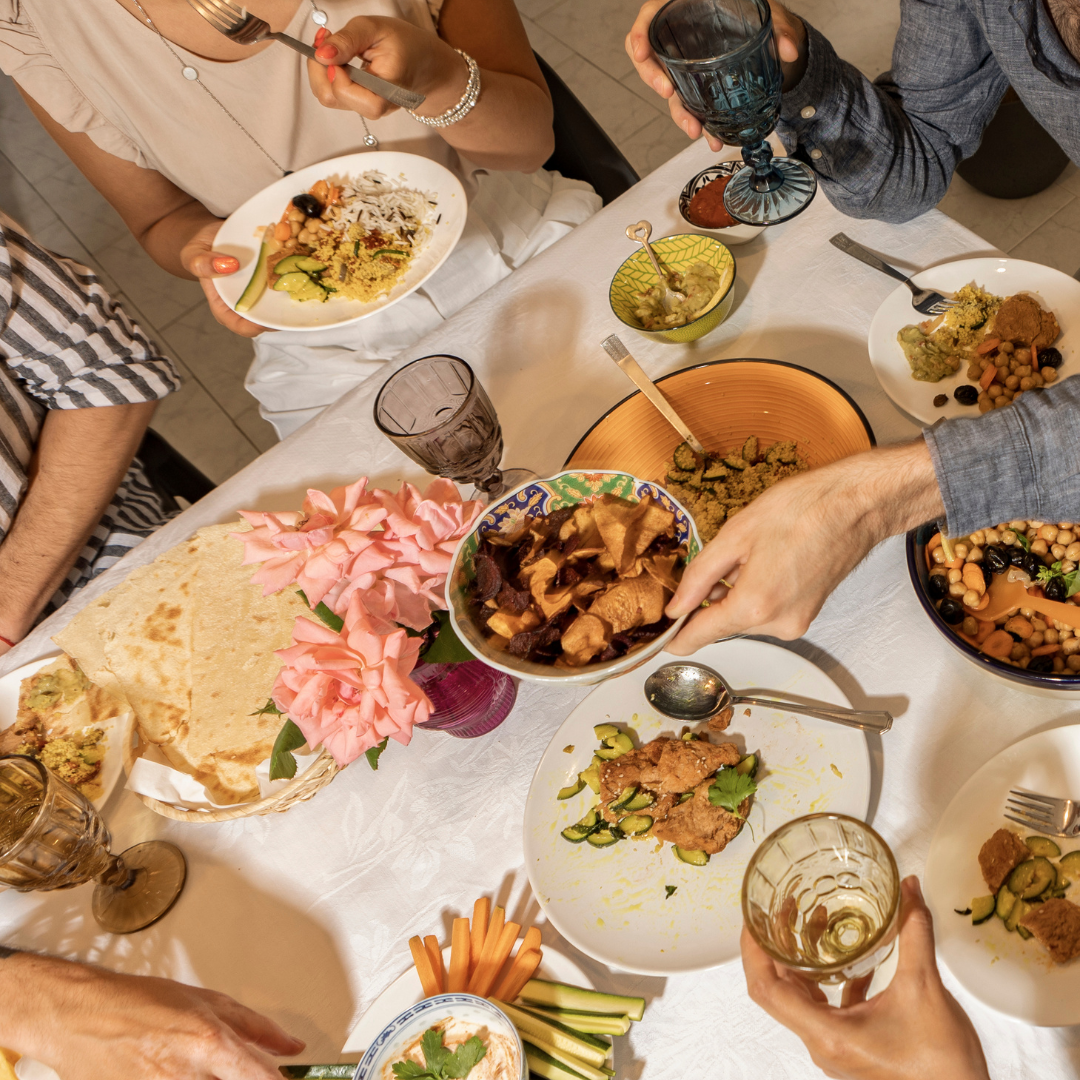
(693, 693)
(641, 233)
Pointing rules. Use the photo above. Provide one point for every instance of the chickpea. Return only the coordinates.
(1002, 402)
(973, 372)
(1008, 536)
(978, 537)
(1006, 347)
(1023, 369)
(1058, 551)
(1039, 624)
(1026, 383)
(1066, 536)
(1067, 566)
(294, 228)
(993, 536)
(1072, 552)
(1049, 375)
(971, 598)
(1039, 547)
(1018, 526)
(1073, 662)
(971, 627)
(986, 406)
(1037, 378)
(295, 215)
(1028, 613)
(1051, 636)
(305, 237)
(1070, 646)
(1048, 559)
(1049, 533)
(984, 363)
(1023, 663)
(994, 391)
(975, 555)
(1007, 395)
(1017, 394)
(1059, 664)
(938, 556)
(960, 549)
(1012, 382)
(1035, 640)
(1020, 652)
(955, 576)
(957, 590)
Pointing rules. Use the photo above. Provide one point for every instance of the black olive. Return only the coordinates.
(1056, 589)
(1016, 637)
(951, 611)
(1050, 358)
(966, 394)
(1016, 556)
(309, 204)
(939, 586)
(1041, 664)
(1031, 564)
(996, 559)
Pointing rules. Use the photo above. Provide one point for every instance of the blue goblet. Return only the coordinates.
(722, 59)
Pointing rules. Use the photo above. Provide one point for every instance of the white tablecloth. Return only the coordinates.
(305, 915)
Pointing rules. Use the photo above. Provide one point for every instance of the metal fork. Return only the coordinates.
(245, 29)
(925, 301)
(1044, 813)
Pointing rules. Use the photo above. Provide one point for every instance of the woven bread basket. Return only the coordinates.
(301, 788)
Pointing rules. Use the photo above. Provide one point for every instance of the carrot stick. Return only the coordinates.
(988, 376)
(521, 971)
(434, 951)
(1034, 357)
(989, 345)
(496, 949)
(935, 542)
(423, 967)
(458, 979)
(1046, 650)
(481, 916)
(531, 940)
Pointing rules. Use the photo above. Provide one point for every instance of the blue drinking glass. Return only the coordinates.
(722, 59)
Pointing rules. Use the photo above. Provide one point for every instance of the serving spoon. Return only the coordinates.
(693, 693)
(641, 233)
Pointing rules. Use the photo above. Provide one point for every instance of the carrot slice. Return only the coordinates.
(521, 971)
(1046, 650)
(1034, 357)
(989, 345)
(481, 916)
(458, 979)
(434, 951)
(423, 967)
(985, 630)
(999, 644)
(935, 542)
(530, 941)
(496, 950)
(972, 577)
(988, 376)
(984, 602)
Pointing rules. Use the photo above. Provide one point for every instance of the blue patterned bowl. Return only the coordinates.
(405, 1029)
(543, 497)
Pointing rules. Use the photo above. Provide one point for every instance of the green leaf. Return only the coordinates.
(375, 753)
(447, 648)
(464, 1058)
(335, 622)
(435, 1054)
(269, 709)
(409, 1070)
(1025, 543)
(1044, 574)
(729, 789)
(669, 891)
(1072, 579)
(282, 763)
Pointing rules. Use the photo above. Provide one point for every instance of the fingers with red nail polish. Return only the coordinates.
(331, 71)
(225, 264)
(326, 52)
(320, 36)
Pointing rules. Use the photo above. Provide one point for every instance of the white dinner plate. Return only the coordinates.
(1013, 976)
(406, 991)
(1003, 277)
(611, 903)
(116, 729)
(241, 235)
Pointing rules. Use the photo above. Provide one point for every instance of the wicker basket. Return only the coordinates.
(301, 788)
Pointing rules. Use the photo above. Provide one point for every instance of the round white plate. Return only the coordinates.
(116, 730)
(610, 902)
(1003, 277)
(406, 991)
(241, 235)
(1013, 976)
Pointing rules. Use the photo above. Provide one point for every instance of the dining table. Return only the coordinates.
(305, 915)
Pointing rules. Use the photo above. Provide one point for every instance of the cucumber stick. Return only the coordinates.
(531, 1025)
(257, 285)
(592, 1023)
(563, 1057)
(545, 1066)
(576, 999)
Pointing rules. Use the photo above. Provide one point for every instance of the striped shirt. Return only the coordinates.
(65, 344)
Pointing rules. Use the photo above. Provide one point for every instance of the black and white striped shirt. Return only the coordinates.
(65, 344)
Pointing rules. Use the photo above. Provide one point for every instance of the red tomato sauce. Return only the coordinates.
(706, 209)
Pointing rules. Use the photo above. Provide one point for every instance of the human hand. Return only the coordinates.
(790, 37)
(912, 1030)
(92, 1024)
(394, 50)
(201, 261)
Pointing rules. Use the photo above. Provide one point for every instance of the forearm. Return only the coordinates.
(30, 986)
(889, 490)
(81, 458)
(164, 240)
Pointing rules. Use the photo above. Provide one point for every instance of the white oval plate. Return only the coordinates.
(610, 903)
(1003, 277)
(116, 730)
(405, 991)
(1013, 976)
(241, 235)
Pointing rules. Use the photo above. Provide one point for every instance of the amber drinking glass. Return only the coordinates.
(51, 837)
(821, 896)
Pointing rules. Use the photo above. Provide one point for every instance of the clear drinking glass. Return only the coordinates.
(722, 59)
(821, 896)
(436, 411)
(51, 837)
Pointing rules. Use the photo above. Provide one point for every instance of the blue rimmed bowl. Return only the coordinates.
(406, 1029)
(543, 497)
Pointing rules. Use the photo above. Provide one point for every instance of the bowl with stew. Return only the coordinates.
(701, 204)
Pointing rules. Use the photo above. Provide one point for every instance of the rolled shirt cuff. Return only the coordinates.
(806, 106)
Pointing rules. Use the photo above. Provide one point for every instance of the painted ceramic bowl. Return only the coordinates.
(543, 497)
(405, 1030)
(733, 234)
(678, 253)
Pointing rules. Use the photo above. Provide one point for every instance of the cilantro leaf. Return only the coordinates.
(1025, 543)
(1044, 574)
(447, 648)
(409, 1070)
(729, 789)
(1072, 579)
(435, 1054)
(375, 753)
(463, 1059)
(268, 709)
(669, 891)
(282, 762)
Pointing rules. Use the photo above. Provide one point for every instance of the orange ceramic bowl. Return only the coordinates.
(724, 402)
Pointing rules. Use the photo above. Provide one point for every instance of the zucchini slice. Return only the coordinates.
(256, 286)
(605, 731)
(1004, 903)
(624, 798)
(615, 746)
(605, 837)
(1044, 876)
(694, 858)
(305, 263)
(571, 790)
(640, 801)
(1019, 910)
(555, 1034)
(1021, 877)
(1070, 863)
(560, 996)
(1024, 932)
(1041, 845)
(300, 286)
(586, 1022)
(566, 1059)
(685, 796)
(584, 828)
(633, 824)
(748, 765)
(591, 776)
(982, 908)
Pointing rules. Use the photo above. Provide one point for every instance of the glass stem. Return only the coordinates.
(760, 158)
(116, 874)
(491, 486)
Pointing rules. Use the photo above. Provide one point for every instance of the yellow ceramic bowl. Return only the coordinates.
(678, 253)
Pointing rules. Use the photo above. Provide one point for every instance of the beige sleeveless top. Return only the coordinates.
(96, 69)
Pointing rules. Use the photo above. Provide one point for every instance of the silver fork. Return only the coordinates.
(925, 301)
(1044, 813)
(246, 29)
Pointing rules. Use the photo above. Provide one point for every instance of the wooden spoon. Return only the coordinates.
(1006, 595)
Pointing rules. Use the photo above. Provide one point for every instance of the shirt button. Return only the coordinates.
(808, 112)
(815, 154)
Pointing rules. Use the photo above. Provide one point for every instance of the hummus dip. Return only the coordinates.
(501, 1061)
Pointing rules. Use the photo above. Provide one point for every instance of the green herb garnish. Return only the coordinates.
(282, 762)
(1025, 543)
(439, 1062)
(1072, 578)
(669, 891)
(447, 648)
(389, 251)
(375, 753)
(729, 789)
(268, 709)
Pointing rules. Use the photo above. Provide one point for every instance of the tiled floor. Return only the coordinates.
(214, 422)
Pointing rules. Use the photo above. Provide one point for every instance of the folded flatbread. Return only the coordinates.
(190, 642)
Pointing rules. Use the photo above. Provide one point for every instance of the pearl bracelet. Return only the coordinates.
(465, 105)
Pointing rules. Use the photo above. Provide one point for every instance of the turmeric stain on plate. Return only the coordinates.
(836, 770)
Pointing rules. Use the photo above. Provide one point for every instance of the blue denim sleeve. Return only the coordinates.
(1022, 461)
(887, 149)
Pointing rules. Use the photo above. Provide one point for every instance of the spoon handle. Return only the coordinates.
(868, 720)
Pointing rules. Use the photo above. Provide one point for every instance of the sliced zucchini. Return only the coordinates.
(615, 746)
(305, 263)
(256, 286)
(982, 907)
(1070, 863)
(634, 824)
(694, 858)
(1019, 910)
(583, 829)
(555, 1034)
(1024, 932)
(1004, 903)
(1044, 877)
(1041, 845)
(571, 790)
(591, 776)
(605, 837)
(624, 798)
(1021, 877)
(690, 736)
(560, 996)
(747, 765)
(586, 1022)
(685, 796)
(567, 1060)
(545, 1066)
(605, 731)
(300, 287)
(641, 800)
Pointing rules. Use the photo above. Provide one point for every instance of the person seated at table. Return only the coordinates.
(887, 149)
(88, 1023)
(913, 1030)
(177, 126)
(79, 383)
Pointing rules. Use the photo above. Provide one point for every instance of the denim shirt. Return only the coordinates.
(887, 149)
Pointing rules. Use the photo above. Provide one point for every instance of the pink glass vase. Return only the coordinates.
(468, 699)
